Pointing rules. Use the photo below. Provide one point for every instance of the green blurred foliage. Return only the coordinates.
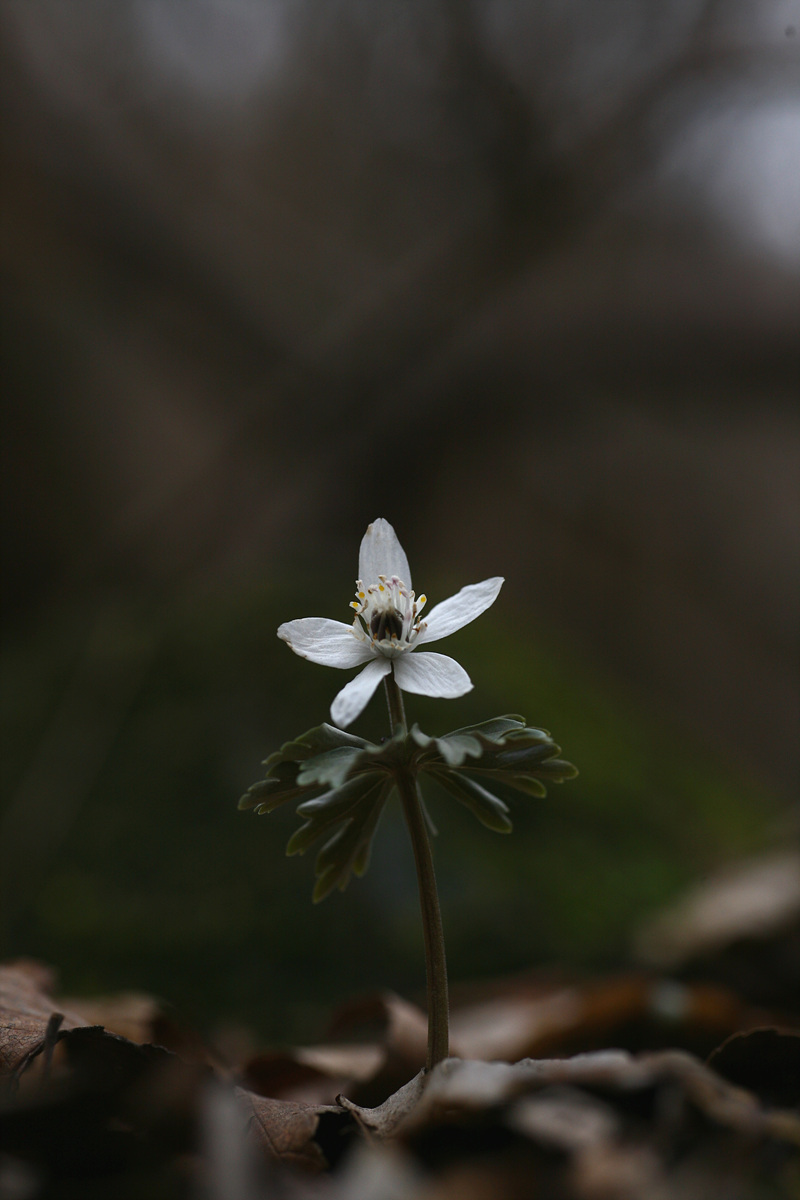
(127, 865)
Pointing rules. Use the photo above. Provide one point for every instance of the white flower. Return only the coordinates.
(387, 628)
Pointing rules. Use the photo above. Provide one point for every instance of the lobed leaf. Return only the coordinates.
(504, 750)
(522, 783)
(328, 811)
(348, 851)
(494, 728)
(344, 781)
(489, 810)
(454, 749)
(269, 794)
(290, 771)
(313, 741)
(332, 767)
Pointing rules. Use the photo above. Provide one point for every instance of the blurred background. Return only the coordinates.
(522, 278)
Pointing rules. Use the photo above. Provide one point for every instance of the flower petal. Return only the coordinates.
(382, 554)
(431, 675)
(354, 696)
(459, 610)
(330, 643)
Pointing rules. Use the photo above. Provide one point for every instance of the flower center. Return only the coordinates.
(387, 615)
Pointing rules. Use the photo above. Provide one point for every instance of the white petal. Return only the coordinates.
(382, 554)
(431, 675)
(353, 697)
(459, 610)
(331, 643)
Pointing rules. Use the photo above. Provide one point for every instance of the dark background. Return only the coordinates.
(524, 280)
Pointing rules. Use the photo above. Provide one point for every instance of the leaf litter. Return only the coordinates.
(626, 1087)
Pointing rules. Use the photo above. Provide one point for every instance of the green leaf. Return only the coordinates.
(454, 749)
(340, 798)
(330, 810)
(313, 741)
(255, 794)
(344, 781)
(348, 851)
(525, 783)
(269, 794)
(489, 810)
(326, 882)
(556, 770)
(493, 729)
(331, 768)
(522, 783)
(504, 750)
(303, 768)
(523, 755)
(272, 793)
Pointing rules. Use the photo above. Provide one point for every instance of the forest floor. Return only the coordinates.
(643, 1084)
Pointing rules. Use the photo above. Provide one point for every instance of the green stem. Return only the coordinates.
(436, 965)
(394, 698)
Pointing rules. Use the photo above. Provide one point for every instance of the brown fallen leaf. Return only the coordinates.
(565, 1118)
(133, 1015)
(740, 928)
(311, 1074)
(398, 1028)
(388, 1118)
(749, 900)
(26, 1008)
(765, 1061)
(527, 1017)
(109, 1106)
(288, 1131)
(602, 1126)
(366, 1070)
(471, 1086)
(636, 1011)
(141, 1018)
(112, 1104)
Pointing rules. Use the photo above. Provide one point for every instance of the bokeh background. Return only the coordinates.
(522, 278)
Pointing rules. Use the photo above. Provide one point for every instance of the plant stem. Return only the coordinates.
(436, 966)
(394, 697)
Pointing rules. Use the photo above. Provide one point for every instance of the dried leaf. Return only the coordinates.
(633, 1011)
(750, 900)
(399, 1030)
(286, 1130)
(566, 1119)
(765, 1061)
(133, 1015)
(312, 1074)
(457, 1088)
(386, 1119)
(391, 1047)
(25, 1010)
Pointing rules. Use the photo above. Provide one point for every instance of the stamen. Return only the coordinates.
(387, 612)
